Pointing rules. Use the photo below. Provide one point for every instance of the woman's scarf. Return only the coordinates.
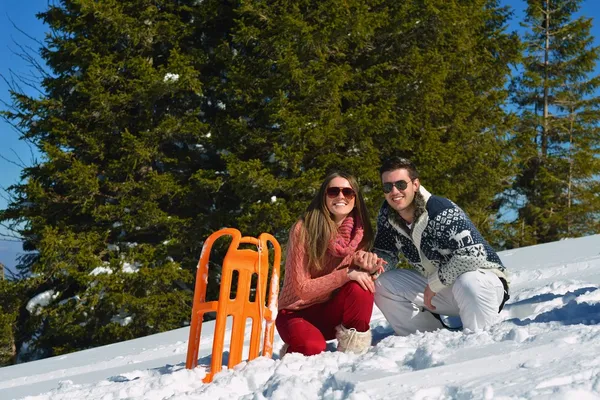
(347, 239)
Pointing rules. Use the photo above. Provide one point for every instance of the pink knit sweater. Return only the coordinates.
(302, 286)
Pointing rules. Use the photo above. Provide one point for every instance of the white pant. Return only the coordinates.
(475, 296)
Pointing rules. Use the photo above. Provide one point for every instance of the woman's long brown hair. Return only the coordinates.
(319, 227)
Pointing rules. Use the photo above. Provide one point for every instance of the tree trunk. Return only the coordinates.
(570, 177)
(545, 133)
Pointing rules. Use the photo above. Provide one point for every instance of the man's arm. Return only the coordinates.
(454, 232)
(385, 239)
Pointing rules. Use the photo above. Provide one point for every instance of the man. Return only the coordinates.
(454, 271)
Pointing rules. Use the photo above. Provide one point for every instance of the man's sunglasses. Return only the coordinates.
(389, 186)
(334, 192)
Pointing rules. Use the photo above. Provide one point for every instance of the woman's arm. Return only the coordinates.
(303, 285)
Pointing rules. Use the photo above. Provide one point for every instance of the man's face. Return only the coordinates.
(400, 200)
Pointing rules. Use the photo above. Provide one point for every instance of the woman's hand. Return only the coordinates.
(369, 262)
(363, 278)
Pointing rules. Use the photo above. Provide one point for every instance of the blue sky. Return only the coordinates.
(18, 15)
(22, 14)
(15, 14)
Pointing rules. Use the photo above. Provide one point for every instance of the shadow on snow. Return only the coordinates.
(571, 313)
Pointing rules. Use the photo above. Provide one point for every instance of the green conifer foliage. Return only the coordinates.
(11, 297)
(557, 140)
(310, 86)
(438, 70)
(107, 209)
(164, 121)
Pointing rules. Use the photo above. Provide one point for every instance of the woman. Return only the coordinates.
(325, 293)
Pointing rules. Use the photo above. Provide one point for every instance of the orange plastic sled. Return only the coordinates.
(248, 263)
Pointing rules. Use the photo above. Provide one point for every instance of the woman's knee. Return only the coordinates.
(353, 289)
(308, 347)
(301, 336)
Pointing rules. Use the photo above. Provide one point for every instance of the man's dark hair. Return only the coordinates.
(394, 163)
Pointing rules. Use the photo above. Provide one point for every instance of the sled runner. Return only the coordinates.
(248, 263)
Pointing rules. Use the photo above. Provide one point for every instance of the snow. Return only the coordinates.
(170, 77)
(101, 270)
(129, 268)
(122, 320)
(41, 300)
(546, 346)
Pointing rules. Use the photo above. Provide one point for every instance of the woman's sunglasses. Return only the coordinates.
(335, 192)
(389, 186)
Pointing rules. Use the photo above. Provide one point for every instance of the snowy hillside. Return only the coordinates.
(547, 347)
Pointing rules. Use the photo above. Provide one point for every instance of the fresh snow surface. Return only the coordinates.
(546, 347)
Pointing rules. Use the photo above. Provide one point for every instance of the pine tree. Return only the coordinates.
(557, 139)
(165, 121)
(309, 86)
(107, 209)
(11, 296)
(441, 69)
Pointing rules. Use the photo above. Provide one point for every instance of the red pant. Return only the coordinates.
(306, 330)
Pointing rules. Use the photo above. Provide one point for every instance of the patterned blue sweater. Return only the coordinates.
(442, 244)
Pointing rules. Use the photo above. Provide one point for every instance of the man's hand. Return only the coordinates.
(427, 297)
(362, 278)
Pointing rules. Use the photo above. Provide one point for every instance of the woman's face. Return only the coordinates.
(340, 198)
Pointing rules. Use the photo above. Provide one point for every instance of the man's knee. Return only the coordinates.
(475, 288)
(467, 284)
(387, 282)
(378, 298)
(382, 289)
(400, 282)
(387, 291)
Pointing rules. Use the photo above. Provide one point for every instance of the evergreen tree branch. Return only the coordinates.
(28, 82)
(24, 33)
(22, 163)
(13, 162)
(11, 235)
